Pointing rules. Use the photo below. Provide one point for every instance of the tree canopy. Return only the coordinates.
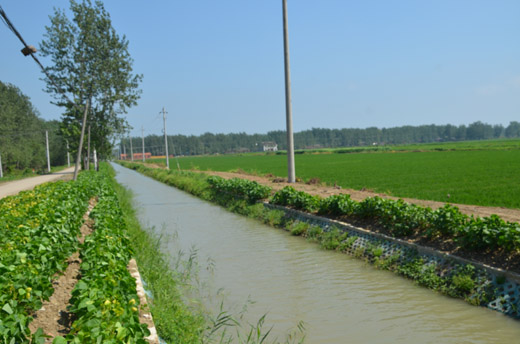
(210, 143)
(90, 61)
(22, 133)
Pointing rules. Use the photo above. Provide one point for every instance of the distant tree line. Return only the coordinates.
(22, 133)
(209, 143)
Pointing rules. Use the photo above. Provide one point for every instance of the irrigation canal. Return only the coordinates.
(340, 299)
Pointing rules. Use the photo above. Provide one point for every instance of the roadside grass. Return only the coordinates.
(486, 177)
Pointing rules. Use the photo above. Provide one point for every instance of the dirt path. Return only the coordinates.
(54, 318)
(512, 215)
(14, 187)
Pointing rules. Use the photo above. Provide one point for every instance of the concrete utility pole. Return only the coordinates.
(48, 155)
(131, 149)
(142, 136)
(95, 161)
(1, 170)
(78, 159)
(166, 140)
(68, 154)
(88, 150)
(291, 173)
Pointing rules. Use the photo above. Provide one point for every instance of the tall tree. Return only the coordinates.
(90, 62)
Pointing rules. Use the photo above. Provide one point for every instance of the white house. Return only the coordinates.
(270, 146)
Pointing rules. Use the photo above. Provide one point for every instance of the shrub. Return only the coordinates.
(337, 205)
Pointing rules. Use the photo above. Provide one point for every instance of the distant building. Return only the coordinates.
(270, 146)
(139, 156)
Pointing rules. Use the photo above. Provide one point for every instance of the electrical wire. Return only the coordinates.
(11, 27)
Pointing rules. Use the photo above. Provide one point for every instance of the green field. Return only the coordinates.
(469, 173)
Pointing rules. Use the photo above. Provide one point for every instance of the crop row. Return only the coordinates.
(480, 177)
(104, 301)
(243, 188)
(402, 219)
(38, 232)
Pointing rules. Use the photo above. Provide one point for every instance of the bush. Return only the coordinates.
(338, 205)
(300, 200)
(241, 188)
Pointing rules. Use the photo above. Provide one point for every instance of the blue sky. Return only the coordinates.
(217, 66)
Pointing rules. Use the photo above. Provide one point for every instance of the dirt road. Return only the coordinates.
(14, 187)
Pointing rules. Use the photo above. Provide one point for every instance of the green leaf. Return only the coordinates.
(82, 285)
(7, 309)
(59, 340)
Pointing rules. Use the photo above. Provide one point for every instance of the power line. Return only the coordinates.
(30, 50)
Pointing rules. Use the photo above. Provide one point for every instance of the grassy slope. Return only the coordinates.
(482, 177)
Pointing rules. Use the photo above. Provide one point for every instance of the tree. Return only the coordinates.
(90, 63)
(22, 133)
(513, 129)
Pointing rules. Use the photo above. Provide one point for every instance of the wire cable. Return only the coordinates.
(11, 27)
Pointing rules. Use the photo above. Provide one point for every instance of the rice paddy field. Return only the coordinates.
(480, 173)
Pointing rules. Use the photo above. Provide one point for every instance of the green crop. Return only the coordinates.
(475, 173)
(38, 232)
(402, 219)
(105, 300)
(242, 188)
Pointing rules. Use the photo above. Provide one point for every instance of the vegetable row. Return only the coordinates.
(105, 301)
(402, 219)
(38, 232)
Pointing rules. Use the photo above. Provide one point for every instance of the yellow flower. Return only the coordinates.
(132, 302)
(134, 309)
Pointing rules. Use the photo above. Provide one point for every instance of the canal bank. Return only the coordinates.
(336, 296)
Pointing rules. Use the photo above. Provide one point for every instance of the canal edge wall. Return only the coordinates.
(505, 284)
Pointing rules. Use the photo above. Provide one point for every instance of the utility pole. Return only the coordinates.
(78, 159)
(95, 160)
(288, 109)
(48, 156)
(166, 140)
(68, 154)
(88, 150)
(131, 149)
(142, 136)
(1, 170)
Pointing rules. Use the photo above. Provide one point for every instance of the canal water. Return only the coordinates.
(339, 298)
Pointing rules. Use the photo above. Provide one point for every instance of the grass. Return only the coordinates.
(482, 173)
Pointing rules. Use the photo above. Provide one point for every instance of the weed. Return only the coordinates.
(314, 233)
(298, 228)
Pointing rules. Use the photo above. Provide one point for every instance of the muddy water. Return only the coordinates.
(340, 299)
